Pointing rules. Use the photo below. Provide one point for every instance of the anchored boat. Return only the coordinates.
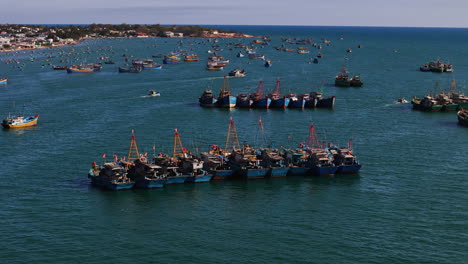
(20, 121)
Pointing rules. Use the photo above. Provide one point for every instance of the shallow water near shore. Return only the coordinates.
(409, 204)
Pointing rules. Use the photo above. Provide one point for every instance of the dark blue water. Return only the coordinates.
(408, 205)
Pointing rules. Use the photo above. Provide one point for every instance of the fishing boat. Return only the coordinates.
(133, 69)
(207, 99)
(277, 99)
(268, 63)
(243, 101)
(60, 68)
(154, 93)
(240, 55)
(448, 68)
(20, 121)
(342, 79)
(462, 115)
(111, 176)
(109, 62)
(356, 81)
(237, 73)
(297, 161)
(147, 175)
(216, 163)
(246, 165)
(437, 66)
(173, 59)
(320, 160)
(214, 67)
(191, 58)
(225, 98)
(192, 168)
(457, 96)
(81, 69)
(428, 103)
(322, 102)
(345, 159)
(275, 163)
(425, 68)
(3, 80)
(349, 50)
(259, 100)
(315, 61)
(298, 102)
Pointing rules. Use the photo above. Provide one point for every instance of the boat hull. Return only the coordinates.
(349, 169)
(203, 178)
(150, 183)
(281, 103)
(175, 180)
(251, 174)
(297, 104)
(3, 81)
(298, 171)
(26, 124)
(208, 102)
(278, 172)
(262, 103)
(324, 171)
(326, 102)
(227, 102)
(342, 83)
(221, 174)
(244, 103)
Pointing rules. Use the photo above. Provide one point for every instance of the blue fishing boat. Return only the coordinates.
(243, 101)
(298, 102)
(275, 163)
(246, 165)
(173, 176)
(297, 161)
(225, 98)
(216, 164)
(207, 99)
(111, 176)
(147, 175)
(3, 80)
(193, 169)
(345, 159)
(321, 164)
(259, 100)
(277, 100)
(322, 102)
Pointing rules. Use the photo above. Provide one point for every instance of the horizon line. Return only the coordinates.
(172, 24)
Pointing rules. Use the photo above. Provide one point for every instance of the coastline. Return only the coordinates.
(76, 42)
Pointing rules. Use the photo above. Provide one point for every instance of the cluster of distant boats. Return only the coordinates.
(234, 161)
(436, 66)
(260, 100)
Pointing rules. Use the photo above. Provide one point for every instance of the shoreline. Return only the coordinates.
(76, 42)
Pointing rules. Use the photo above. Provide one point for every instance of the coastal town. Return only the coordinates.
(22, 37)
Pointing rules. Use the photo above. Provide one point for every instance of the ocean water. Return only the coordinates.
(409, 204)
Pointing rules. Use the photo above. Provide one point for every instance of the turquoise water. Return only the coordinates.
(408, 205)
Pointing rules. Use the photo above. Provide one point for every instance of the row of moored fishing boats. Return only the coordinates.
(311, 158)
(259, 99)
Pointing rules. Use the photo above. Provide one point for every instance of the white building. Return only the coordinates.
(4, 41)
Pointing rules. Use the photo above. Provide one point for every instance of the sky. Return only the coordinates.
(395, 13)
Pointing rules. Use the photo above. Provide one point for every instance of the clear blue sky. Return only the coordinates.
(417, 13)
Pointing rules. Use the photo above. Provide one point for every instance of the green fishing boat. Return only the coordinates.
(342, 79)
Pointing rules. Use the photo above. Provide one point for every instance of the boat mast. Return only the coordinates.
(261, 136)
(133, 153)
(232, 141)
(312, 140)
(277, 88)
(261, 89)
(179, 149)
